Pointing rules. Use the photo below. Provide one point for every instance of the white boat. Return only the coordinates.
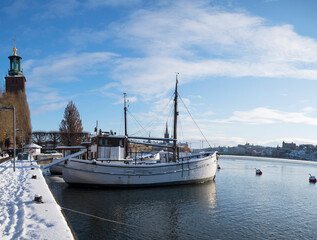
(109, 163)
(196, 169)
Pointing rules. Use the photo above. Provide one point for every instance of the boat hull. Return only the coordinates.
(57, 169)
(80, 172)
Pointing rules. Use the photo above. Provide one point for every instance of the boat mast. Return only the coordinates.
(125, 125)
(175, 120)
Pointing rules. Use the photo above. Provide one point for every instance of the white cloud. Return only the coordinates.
(108, 90)
(47, 107)
(263, 115)
(200, 41)
(195, 96)
(309, 109)
(129, 100)
(44, 73)
(190, 37)
(45, 97)
(50, 9)
(65, 68)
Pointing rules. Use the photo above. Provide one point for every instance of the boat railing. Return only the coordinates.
(196, 155)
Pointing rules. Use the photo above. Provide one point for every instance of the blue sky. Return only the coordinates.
(248, 69)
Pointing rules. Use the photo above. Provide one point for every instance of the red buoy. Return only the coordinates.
(258, 172)
(312, 179)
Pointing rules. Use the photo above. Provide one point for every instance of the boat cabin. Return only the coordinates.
(108, 146)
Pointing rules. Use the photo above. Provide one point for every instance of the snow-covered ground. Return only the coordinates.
(20, 216)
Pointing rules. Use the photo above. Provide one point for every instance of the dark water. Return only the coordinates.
(280, 204)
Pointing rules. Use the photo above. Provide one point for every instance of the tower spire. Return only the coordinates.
(14, 48)
(166, 131)
(166, 134)
(15, 62)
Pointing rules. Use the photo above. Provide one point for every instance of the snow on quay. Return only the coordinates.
(20, 216)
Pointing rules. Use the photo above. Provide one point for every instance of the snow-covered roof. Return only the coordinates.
(108, 136)
(32, 145)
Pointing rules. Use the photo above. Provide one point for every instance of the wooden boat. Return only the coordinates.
(110, 164)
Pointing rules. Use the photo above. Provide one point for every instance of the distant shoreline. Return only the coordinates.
(259, 158)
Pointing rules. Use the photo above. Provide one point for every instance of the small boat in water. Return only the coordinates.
(109, 163)
(218, 167)
(258, 171)
(312, 179)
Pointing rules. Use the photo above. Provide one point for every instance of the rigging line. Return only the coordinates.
(169, 119)
(100, 218)
(136, 121)
(121, 125)
(194, 121)
(155, 120)
(181, 128)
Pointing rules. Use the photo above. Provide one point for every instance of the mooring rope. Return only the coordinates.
(100, 218)
(145, 233)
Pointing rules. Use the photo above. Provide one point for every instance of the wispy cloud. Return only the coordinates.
(200, 41)
(47, 107)
(44, 74)
(263, 115)
(45, 97)
(193, 38)
(65, 67)
(62, 9)
(129, 100)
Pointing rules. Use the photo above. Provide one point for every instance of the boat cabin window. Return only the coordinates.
(110, 142)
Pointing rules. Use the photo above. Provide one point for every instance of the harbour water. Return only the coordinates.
(280, 204)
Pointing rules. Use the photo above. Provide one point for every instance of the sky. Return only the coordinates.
(247, 69)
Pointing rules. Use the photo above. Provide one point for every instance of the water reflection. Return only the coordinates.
(280, 204)
(168, 212)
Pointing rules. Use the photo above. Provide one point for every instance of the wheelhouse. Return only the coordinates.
(108, 146)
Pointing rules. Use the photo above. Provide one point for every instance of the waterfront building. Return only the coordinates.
(289, 146)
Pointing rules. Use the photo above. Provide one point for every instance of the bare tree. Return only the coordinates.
(71, 126)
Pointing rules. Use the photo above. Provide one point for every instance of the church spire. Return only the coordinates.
(166, 134)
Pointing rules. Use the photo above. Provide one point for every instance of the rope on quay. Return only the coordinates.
(100, 218)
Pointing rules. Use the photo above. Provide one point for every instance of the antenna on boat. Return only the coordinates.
(175, 120)
(96, 128)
